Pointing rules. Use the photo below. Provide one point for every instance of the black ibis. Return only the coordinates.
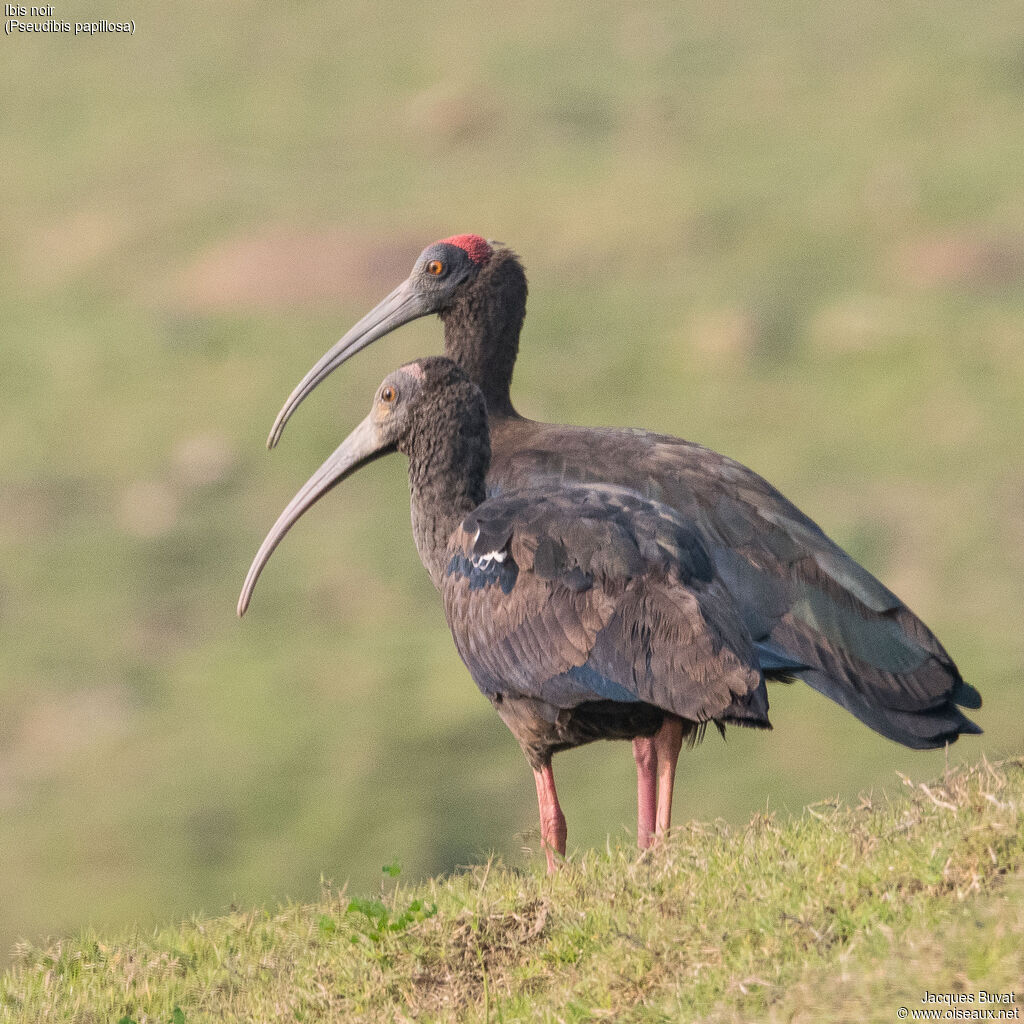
(582, 611)
(812, 607)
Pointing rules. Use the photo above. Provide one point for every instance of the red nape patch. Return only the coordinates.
(475, 247)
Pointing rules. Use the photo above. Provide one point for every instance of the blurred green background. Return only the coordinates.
(794, 233)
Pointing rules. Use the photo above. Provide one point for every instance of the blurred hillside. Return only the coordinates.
(797, 237)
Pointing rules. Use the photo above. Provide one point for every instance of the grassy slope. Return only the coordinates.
(793, 234)
(842, 913)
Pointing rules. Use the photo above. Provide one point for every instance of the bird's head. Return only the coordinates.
(428, 409)
(441, 273)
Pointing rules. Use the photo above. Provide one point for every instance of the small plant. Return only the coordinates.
(373, 918)
(379, 920)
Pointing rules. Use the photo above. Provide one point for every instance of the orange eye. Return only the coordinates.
(388, 394)
(435, 268)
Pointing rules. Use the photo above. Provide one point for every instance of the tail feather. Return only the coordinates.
(965, 695)
(920, 730)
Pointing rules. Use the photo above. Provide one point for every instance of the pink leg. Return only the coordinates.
(646, 758)
(552, 821)
(668, 741)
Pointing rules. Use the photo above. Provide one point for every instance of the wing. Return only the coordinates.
(583, 594)
(796, 590)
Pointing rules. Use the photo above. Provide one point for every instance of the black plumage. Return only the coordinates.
(582, 612)
(597, 594)
(804, 600)
(796, 589)
(813, 612)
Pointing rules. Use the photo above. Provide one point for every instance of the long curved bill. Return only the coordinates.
(361, 447)
(404, 304)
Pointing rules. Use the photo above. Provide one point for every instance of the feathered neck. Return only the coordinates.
(481, 329)
(448, 461)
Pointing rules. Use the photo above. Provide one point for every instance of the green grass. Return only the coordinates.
(840, 913)
(793, 234)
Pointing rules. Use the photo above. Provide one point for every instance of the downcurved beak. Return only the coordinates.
(359, 449)
(405, 303)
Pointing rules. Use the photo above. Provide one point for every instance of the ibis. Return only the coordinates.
(814, 611)
(582, 611)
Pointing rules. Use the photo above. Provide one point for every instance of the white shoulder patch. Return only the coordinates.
(483, 561)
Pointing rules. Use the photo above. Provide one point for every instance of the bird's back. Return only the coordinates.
(795, 589)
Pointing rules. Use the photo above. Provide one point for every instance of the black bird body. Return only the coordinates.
(812, 610)
(795, 588)
(588, 613)
(582, 612)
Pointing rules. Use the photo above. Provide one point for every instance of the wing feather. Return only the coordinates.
(652, 623)
(794, 587)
